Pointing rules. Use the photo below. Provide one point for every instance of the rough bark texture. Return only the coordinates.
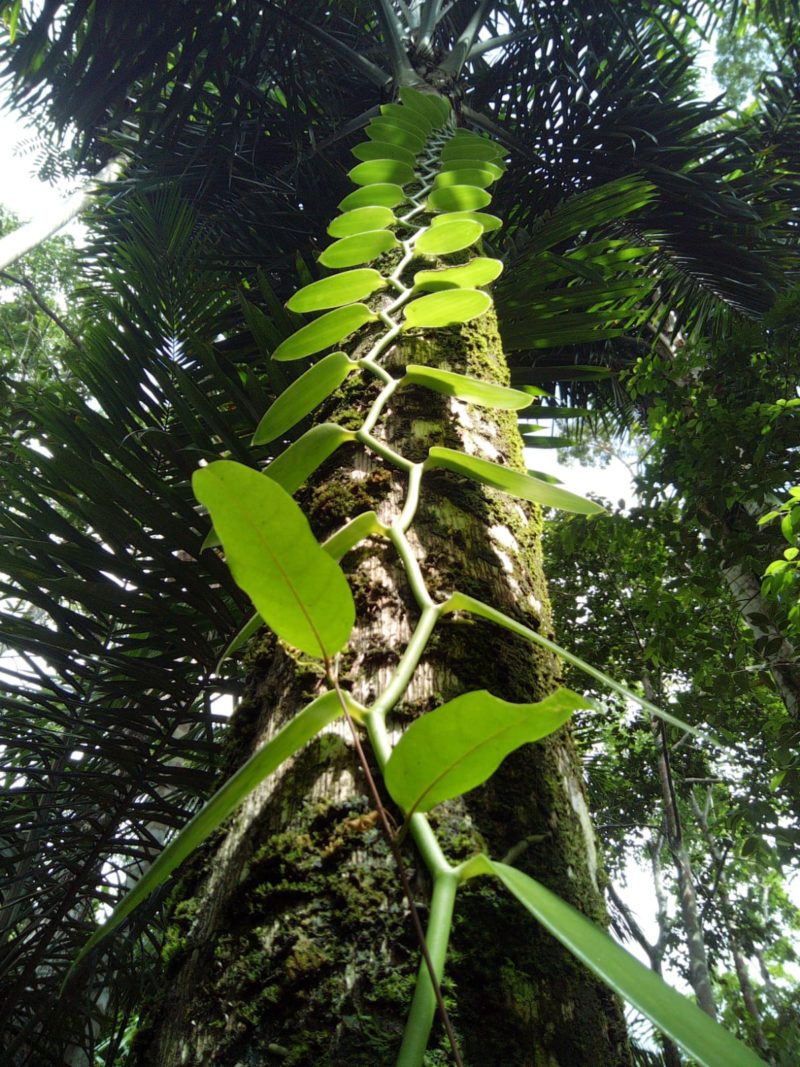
(290, 941)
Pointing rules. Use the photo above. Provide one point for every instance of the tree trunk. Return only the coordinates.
(699, 975)
(290, 940)
(740, 963)
(780, 655)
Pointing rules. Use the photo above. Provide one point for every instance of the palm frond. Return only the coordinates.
(108, 730)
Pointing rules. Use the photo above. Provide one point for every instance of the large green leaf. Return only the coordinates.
(303, 395)
(464, 163)
(448, 308)
(323, 332)
(382, 194)
(483, 178)
(383, 150)
(407, 120)
(459, 745)
(510, 481)
(360, 248)
(301, 459)
(489, 222)
(431, 106)
(479, 271)
(361, 219)
(373, 171)
(295, 586)
(464, 387)
(388, 130)
(288, 740)
(451, 237)
(463, 143)
(406, 117)
(339, 289)
(458, 198)
(464, 602)
(700, 1037)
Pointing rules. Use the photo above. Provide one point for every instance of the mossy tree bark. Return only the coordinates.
(290, 941)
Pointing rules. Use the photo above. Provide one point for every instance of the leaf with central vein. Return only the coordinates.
(410, 119)
(510, 481)
(464, 163)
(323, 332)
(461, 744)
(381, 194)
(480, 177)
(700, 1037)
(384, 130)
(381, 170)
(301, 459)
(339, 289)
(458, 198)
(431, 106)
(288, 740)
(448, 308)
(471, 146)
(451, 237)
(489, 222)
(383, 150)
(360, 248)
(295, 586)
(479, 271)
(362, 219)
(303, 395)
(464, 387)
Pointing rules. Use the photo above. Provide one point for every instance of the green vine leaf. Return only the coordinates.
(323, 332)
(381, 170)
(489, 222)
(288, 740)
(700, 1037)
(383, 150)
(459, 745)
(458, 198)
(250, 629)
(389, 130)
(339, 289)
(463, 163)
(510, 481)
(412, 120)
(449, 308)
(360, 220)
(360, 248)
(467, 388)
(303, 395)
(465, 145)
(382, 194)
(480, 177)
(464, 602)
(291, 468)
(436, 109)
(479, 271)
(340, 543)
(451, 237)
(295, 586)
